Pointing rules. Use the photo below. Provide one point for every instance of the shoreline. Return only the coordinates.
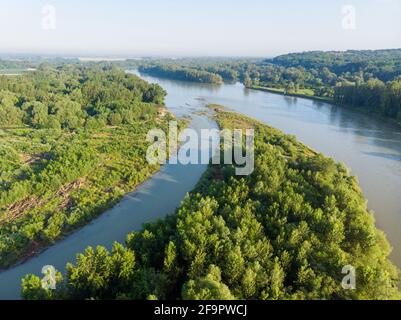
(358, 110)
(296, 95)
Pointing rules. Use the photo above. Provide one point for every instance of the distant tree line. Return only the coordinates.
(364, 80)
(182, 73)
(15, 64)
(382, 64)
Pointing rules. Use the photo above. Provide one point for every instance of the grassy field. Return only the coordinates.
(301, 93)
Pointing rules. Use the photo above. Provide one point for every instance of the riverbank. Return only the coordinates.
(326, 100)
(182, 74)
(297, 95)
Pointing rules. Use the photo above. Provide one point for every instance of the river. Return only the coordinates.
(370, 147)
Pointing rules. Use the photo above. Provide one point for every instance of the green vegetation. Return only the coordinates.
(372, 96)
(302, 93)
(217, 69)
(72, 142)
(14, 65)
(382, 64)
(182, 73)
(369, 81)
(284, 232)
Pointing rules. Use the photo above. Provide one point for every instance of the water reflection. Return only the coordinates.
(371, 147)
(389, 156)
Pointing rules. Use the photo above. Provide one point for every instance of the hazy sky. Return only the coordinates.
(195, 27)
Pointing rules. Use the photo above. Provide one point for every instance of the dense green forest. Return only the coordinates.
(369, 81)
(366, 80)
(72, 142)
(182, 73)
(382, 64)
(284, 232)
